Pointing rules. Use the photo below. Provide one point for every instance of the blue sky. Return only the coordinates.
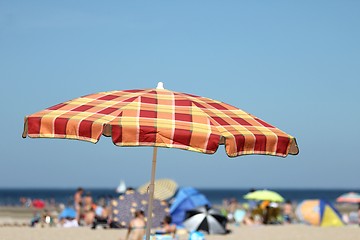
(294, 64)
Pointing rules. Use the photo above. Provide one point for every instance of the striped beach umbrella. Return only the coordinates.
(351, 197)
(160, 118)
(205, 219)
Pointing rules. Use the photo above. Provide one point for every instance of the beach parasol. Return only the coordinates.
(164, 188)
(38, 203)
(160, 118)
(124, 207)
(186, 198)
(318, 212)
(205, 219)
(351, 197)
(263, 195)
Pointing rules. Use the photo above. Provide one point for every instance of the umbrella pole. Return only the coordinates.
(151, 194)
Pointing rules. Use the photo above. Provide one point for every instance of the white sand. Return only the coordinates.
(288, 232)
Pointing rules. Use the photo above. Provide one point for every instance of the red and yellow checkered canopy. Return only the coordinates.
(161, 118)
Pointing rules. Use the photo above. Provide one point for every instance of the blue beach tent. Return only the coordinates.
(187, 198)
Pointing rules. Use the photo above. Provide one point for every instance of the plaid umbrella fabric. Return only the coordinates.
(161, 118)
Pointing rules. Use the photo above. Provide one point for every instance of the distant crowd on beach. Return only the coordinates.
(87, 212)
(94, 213)
(81, 211)
(254, 213)
(258, 213)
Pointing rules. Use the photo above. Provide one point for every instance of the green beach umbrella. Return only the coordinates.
(262, 195)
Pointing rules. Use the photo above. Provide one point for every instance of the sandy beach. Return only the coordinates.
(294, 232)
(14, 223)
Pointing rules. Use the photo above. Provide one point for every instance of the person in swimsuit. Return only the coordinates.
(168, 227)
(137, 226)
(78, 202)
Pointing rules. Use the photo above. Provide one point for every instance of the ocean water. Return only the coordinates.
(12, 196)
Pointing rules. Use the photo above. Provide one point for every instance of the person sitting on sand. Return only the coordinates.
(257, 215)
(137, 226)
(167, 227)
(233, 205)
(288, 212)
(36, 219)
(101, 215)
(88, 210)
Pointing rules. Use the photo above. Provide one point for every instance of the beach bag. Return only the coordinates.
(196, 236)
(161, 237)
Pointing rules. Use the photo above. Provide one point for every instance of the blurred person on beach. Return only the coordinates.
(167, 227)
(36, 219)
(44, 219)
(288, 212)
(257, 215)
(101, 214)
(252, 204)
(248, 220)
(101, 209)
(47, 219)
(78, 202)
(25, 202)
(233, 205)
(88, 202)
(264, 204)
(88, 209)
(271, 214)
(224, 207)
(137, 226)
(89, 217)
(267, 215)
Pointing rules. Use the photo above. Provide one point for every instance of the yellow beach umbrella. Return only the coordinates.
(262, 195)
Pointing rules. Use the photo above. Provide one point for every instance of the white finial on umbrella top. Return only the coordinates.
(160, 85)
